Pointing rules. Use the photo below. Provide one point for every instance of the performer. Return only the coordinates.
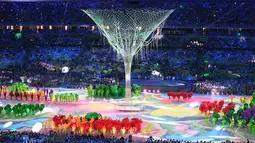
(38, 96)
(22, 95)
(5, 92)
(51, 91)
(16, 94)
(45, 97)
(1, 92)
(41, 93)
(26, 95)
(32, 96)
(12, 93)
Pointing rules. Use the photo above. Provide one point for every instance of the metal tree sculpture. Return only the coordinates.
(128, 31)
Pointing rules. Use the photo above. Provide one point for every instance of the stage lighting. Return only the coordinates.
(20, 28)
(194, 104)
(29, 80)
(153, 90)
(158, 91)
(218, 128)
(149, 91)
(22, 78)
(8, 124)
(144, 90)
(65, 70)
(37, 127)
(156, 73)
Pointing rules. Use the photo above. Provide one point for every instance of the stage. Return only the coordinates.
(159, 85)
(169, 119)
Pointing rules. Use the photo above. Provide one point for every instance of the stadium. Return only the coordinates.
(118, 71)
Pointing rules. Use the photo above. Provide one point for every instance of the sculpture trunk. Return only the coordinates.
(128, 64)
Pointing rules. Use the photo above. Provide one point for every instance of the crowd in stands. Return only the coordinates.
(238, 42)
(207, 13)
(234, 43)
(10, 57)
(172, 64)
(152, 140)
(249, 88)
(229, 57)
(226, 87)
(210, 13)
(54, 137)
(54, 54)
(96, 59)
(222, 88)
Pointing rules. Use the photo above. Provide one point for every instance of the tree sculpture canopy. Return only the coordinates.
(128, 30)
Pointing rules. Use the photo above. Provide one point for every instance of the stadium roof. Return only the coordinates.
(131, 1)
